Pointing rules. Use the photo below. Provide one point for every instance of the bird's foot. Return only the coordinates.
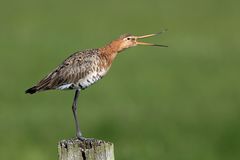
(84, 139)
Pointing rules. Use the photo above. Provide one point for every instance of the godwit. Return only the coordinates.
(84, 68)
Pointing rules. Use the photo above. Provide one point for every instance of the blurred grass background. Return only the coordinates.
(176, 103)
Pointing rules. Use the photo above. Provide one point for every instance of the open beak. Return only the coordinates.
(149, 44)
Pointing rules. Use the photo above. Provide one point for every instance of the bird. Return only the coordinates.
(83, 68)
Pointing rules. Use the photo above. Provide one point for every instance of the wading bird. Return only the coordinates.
(84, 68)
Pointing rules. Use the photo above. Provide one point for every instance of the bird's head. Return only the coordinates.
(127, 40)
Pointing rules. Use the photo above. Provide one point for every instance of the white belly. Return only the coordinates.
(90, 79)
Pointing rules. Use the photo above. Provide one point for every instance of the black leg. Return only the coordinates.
(74, 109)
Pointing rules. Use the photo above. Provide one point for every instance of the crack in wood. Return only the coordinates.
(74, 149)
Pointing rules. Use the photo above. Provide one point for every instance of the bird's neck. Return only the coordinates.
(110, 51)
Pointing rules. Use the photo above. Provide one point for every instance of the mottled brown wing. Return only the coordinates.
(74, 68)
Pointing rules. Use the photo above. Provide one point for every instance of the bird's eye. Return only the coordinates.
(128, 38)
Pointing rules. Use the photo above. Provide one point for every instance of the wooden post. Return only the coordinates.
(74, 149)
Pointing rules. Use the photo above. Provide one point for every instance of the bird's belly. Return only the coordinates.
(90, 79)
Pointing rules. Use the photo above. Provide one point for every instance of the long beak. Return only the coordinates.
(150, 35)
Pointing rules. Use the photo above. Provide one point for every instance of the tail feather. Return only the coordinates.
(31, 90)
(45, 84)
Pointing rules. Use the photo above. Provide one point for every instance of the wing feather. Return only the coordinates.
(73, 69)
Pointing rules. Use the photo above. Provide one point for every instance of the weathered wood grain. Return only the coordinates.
(74, 149)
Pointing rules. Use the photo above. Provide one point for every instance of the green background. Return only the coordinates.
(175, 103)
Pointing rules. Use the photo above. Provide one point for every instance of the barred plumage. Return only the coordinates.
(78, 71)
